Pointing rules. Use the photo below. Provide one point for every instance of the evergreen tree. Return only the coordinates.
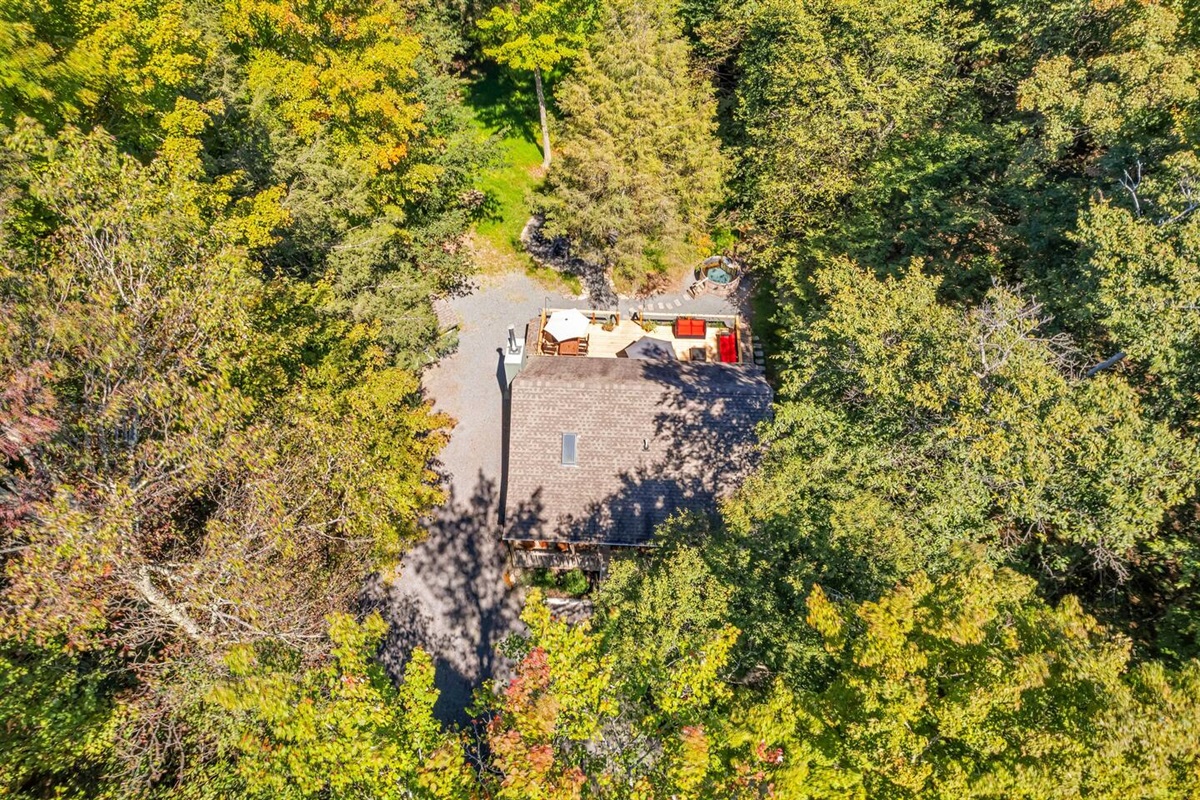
(641, 170)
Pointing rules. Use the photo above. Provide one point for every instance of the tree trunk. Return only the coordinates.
(537, 81)
(1106, 363)
(159, 602)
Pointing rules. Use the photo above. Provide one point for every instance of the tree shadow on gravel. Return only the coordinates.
(451, 599)
(556, 253)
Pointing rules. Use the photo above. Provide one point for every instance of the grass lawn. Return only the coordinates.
(508, 111)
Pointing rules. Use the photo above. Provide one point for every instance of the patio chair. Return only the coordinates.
(583, 345)
(549, 347)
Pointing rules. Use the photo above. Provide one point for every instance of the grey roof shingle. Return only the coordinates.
(653, 437)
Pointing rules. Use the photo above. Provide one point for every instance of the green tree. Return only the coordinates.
(907, 426)
(558, 700)
(226, 462)
(26, 63)
(356, 107)
(965, 685)
(117, 64)
(1038, 143)
(658, 615)
(1059, 457)
(833, 120)
(340, 728)
(353, 106)
(969, 136)
(333, 70)
(972, 686)
(586, 714)
(1147, 280)
(537, 35)
(1141, 268)
(641, 169)
(56, 719)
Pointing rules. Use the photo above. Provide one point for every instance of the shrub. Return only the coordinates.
(542, 578)
(574, 583)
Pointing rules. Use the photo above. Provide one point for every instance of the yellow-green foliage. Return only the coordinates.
(120, 64)
(537, 34)
(641, 170)
(971, 686)
(340, 728)
(964, 685)
(340, 70)
(57, 723)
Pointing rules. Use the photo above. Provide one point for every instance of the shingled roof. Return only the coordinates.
(653, 437)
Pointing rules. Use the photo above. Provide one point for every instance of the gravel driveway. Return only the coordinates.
(450, 596)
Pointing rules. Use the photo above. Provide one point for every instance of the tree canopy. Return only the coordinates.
(965, 565)
(537, 36)
(641, 171)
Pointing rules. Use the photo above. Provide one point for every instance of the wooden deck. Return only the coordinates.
(591, 560)
(607, 344)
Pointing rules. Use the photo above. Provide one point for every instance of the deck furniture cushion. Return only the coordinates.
(690, 328)
(726, 348)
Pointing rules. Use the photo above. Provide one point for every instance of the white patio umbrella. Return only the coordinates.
(650, 349)
(569, 324)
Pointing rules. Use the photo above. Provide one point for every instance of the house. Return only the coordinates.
(602, 447)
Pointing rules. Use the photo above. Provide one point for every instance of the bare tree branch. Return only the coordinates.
(159, 602)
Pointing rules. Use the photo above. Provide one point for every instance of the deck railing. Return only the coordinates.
(589, 560)
(734, 322)
(597, 316)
